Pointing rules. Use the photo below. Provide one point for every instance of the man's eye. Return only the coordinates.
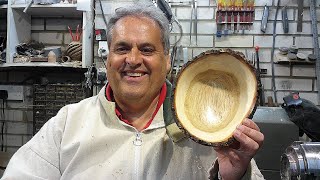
(147, 51)
(121, 49)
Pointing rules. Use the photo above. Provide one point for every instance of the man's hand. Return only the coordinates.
(234, 160)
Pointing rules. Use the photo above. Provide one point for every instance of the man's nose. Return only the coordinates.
(134, 59)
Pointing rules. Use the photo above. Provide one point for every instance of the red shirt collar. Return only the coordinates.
(162, 97)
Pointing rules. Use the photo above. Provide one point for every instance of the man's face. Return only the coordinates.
(137, 64)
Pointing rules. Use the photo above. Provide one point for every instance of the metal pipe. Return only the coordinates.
(315, 42)
(301, 160)
(272, 54)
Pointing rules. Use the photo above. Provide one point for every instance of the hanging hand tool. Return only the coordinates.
(78, 33)
(238, 5)
(185, 55)
(239, 16)
(244, 25)
(257, 60)
(251, 5)
(178, 60)
(225, 23)
(196, 20)
(164, 6)
(232, 23)
(70, 31)
(173, 60)
(219, 25)
(261, 89)
(232, 16)
(221, 5)
(191, 17)
(285, 22)
(238, 22)
(253, 59)
(173, 56)
(300, 15)
(264, 20)
(251, 14)
(245, 5)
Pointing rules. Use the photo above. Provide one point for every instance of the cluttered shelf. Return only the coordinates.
(5, 6)
(284, 59)
(3, 10)
(42, 66)
(58, 9)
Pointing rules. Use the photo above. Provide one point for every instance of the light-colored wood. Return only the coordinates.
(213, 95)
(212, 99)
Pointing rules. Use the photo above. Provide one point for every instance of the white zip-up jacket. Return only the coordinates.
(86, 140)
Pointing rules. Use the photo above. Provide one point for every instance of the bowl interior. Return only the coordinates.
(213, 95)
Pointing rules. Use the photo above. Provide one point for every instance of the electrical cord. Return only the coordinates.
(3, 124)
(180, 28)
(103, 16)
(103, 62)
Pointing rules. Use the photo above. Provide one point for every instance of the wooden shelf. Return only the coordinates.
(66, 10)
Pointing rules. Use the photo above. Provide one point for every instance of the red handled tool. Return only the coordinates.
(78, 33)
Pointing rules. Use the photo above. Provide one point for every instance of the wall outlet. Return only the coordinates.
(103, 49)
(263, 71)
(3, 94)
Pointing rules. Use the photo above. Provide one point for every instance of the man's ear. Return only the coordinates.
(168, 62)
(106, 61)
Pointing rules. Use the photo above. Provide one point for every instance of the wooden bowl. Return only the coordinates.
(74, 50)
(213, 94)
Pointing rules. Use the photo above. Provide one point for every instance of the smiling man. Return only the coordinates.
(136, 68)
(122, 132)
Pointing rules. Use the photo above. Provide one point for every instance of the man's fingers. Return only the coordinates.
(255, 135)
(229, 153)
(248, 145)
(248, 122)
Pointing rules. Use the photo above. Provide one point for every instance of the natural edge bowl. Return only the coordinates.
(213, 94)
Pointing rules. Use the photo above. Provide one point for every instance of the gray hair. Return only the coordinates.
(142, 10)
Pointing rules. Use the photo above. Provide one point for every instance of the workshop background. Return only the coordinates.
(18, 110)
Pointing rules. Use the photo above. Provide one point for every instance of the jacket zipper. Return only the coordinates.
(137, 155)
